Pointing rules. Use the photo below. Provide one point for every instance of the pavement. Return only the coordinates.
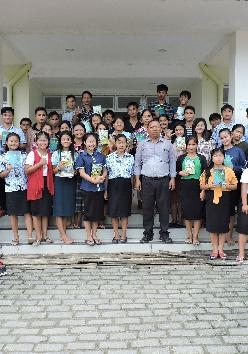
(71, 305)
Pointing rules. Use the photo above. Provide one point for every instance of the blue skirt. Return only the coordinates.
(64, 196)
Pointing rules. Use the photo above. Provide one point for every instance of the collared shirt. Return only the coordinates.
(16, 179)
(12, 129)
(215, 134)
(165, 108)
(93, 165)
(120, 166)
(68, 115)
(68, 170)
(155, 159)
(129, 128)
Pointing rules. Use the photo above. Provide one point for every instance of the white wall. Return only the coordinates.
(209, 97)
(35, 98)
(196, 97)
(21, 98)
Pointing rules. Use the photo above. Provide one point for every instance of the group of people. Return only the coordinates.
(74, 166)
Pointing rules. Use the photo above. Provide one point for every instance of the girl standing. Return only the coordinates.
(217, 181)
(65, 125)
(164, 123)
(92, 168)
(242, 224)
(205, 144)
(95, 119)
(190, 166)
(65, 184)
(120, 167)
(40, 190)
(78, 131)
(12, 164)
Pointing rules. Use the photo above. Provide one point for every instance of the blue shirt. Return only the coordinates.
(92, 164)
(216, 132)
(12, 129)
(235, 158)
(16, 179)
(120, 166)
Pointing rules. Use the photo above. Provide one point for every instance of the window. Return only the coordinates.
(53, 103)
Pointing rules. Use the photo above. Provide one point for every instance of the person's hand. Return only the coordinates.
(101, 179)
(172, 184)
(202, 196)
(106, 195)
(9, 168)
(137, 185)
(184, 173)
(245, 208)
(78, 111)
(43, 161)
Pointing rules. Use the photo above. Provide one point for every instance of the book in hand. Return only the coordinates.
(190, 167)
(97, 109)
(96, 170)
(219, 177)
(159, 110)
(68, 165)
(13, 157)
(180, 143)
(53, 144)
(103, 137)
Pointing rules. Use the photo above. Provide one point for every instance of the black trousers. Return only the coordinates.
(155, 192)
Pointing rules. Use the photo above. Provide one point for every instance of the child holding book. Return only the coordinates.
(190, 166)
(217, 181)
(64, 184)
(242, 222)
(12, 164)
(40, 190)
(92, 168)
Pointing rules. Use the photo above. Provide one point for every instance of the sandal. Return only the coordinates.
(115, 240)
(97, 241)
(30, 240)
(213, 255)
(36, 243)
(2, 268)
(188, 240)
(67, 240)
(90, 242)
(123, 240)
(196, 242)
(101, 226)
(240, 259)
(47, 240)
(222, 255)
(15, 242)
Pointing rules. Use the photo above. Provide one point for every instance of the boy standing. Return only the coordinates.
(70, 110)
(40, 117)
(214, 120)
(189, 116)
(133, 122)
(161, 107)
(184, 98)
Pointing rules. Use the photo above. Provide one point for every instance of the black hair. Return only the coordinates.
(81, 125)
(211, 165)
(95, 115)
(7, 109)
(53, 113)
(180, 124)
(153, 120)
(118, 136)
(146, 110)
(227, 106)
(25, 119)
(236, 126)
(60, 147)
(162, 87)
(205, 134)
(192, 108)
(87, 135)
(108, 111)
(88, 92)
(9, 136)
(164, 115)
(246, 111)
(47, 123)
(40, 134)
(102, 123)
(214, 116)
(191, 138)
(40, 109)
(70, 96)
(225, 130)
(66, 122)
(185, 93)
(118, 117)
(133, 103)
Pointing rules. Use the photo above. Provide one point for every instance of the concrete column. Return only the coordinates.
(238, 75)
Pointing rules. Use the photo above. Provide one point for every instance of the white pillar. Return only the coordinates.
(238, 75)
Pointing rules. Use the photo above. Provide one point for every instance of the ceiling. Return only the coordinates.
(112, 45)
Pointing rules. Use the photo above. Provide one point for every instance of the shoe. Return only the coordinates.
(213, 255)
(240, 259)
(123, 240)
(146, 239)
(222, 255)
(2, 269)
(139, 206)
(165, 237)
(36, 243)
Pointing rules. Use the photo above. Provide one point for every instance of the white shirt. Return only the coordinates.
(30, 161)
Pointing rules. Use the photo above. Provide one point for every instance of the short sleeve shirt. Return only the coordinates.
(16, 179)
(244, 177)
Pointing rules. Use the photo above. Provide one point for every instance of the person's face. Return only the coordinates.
(47, 129)
(86, 99)
(25, 125)
(118, 125)
(146, 118)
(179, 131)
(108, 119)
(121, 144)
(163, 121)
(218, 158)
(132, 111)
(64, 127)
(227, 114)
(189, 115)
(40, 117)
(226, 138)
(13, 143)
(192, 146)
(65, 141)
(154, 130)
(95, 120)
(42, 142)
(78, 131)
(183, 100)
(237, 134)
(54, 121)
(200, 128)
(101, 127)
(162, 95)
(70, 102)
(7, 117)
(215, 122)
(90, 143)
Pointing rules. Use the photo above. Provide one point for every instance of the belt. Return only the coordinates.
(155, 178)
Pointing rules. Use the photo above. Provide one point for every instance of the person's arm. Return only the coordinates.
(172, 167)
(244, 187)
(7, 171)
(137, 166)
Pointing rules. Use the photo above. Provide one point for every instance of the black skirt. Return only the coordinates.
(242, 222)
(93, 206)
(119, 197)
(191, 204)
(16, 203)
(218, 215)
(42, 206)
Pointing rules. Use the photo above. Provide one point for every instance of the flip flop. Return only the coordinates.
(188, 240)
